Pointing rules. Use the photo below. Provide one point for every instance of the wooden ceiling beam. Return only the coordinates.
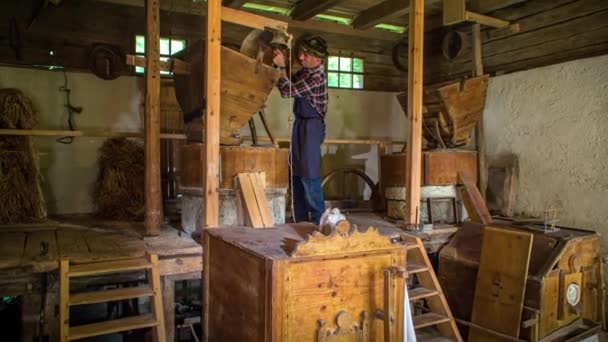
(306, 9)
(234, 3)
(198, 8)
(385, 10)
(487, 6)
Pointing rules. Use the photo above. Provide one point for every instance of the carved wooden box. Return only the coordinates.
(280, 284)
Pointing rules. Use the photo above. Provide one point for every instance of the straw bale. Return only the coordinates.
(20, 192)
(119, 189)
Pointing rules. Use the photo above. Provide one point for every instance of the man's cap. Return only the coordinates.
(315, 45)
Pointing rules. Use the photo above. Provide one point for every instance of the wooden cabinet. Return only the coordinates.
(564, 262)
(284, 284)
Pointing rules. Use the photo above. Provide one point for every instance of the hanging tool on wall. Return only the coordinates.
(70, 109)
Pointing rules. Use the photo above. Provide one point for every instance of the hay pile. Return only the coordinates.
(21, 198)
(119, 190)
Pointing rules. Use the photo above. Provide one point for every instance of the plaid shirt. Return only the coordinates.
(310, 84)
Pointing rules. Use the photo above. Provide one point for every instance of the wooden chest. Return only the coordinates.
(439, 167)
(558, 260)
(281, 284)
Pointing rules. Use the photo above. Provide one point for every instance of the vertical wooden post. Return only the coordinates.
(383, 149)
(414, 110)
(168, 285)
(152, 119)
(479, 133)
(211, 153)
(64, 295)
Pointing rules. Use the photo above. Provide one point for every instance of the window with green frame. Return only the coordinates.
(168, 47)
(345, 72)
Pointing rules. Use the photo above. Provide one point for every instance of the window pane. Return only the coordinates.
(164, 59)
(346, 80)
(140, 44)
(177, 46)
(333, 63)
(139, 70)
(346, 64)
(357, 65)
(332, 79)
(164, 46)
(358, 81)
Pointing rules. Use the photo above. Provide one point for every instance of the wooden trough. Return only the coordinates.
(245, 85)
(451, 110)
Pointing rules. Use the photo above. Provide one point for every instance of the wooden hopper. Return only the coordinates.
(451, 110)
(245, 85)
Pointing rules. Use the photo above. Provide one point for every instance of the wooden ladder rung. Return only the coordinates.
(421, 293)
(110, 295)
(413, 268)
(108, 327)
(429, 319)
(410, 245)
(108, 267)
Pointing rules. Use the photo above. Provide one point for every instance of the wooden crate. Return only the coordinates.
(451, 110)
(234, 160)
(439, 167)
(270, 285)
(558, 259)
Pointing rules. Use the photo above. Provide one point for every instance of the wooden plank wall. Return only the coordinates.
(551, 31)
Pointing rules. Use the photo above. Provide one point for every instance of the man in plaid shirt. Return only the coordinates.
(308, 87)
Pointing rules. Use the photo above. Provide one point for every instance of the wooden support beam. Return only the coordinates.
(199, 8)
(173, 65)
(486, 6)
(382, 11)
(85, 133)
(152, 119)
(306, 9)
(414, 110)
(485, 20)
(211, 130)
(234, 3)
(455, 11)
(252, 20)
(168, 285)
(479, 132)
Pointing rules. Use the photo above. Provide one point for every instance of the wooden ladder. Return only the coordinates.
(419, 265)
(153, 320)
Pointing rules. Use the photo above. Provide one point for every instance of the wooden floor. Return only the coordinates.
(38, 247)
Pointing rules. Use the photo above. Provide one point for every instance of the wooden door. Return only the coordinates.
(320, 292)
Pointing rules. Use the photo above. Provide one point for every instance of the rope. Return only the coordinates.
(290, 121)
(70, 109)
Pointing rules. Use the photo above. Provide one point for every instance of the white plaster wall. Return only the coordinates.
(351, 114)
(69, 171)
(555, 119)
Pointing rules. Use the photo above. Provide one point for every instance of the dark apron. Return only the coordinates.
(307, 136)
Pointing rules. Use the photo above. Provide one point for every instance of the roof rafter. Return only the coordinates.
(382, 11)
(199, 8)
(306, 9)
(234, 3)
